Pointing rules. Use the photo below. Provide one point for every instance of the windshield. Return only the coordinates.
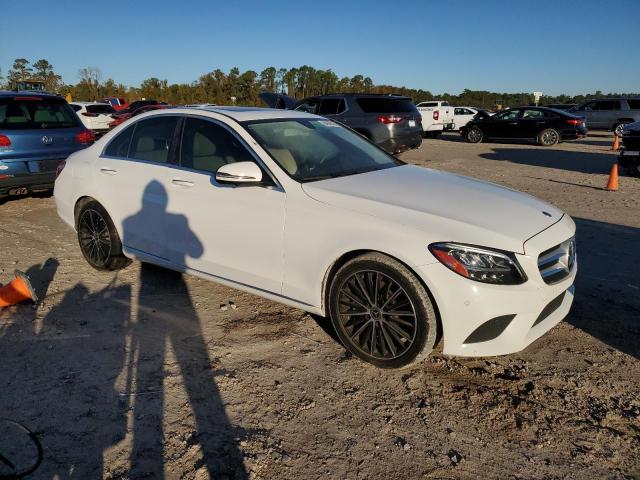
(317, 149)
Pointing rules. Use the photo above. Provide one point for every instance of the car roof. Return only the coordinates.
(27, 93)
(243, 114)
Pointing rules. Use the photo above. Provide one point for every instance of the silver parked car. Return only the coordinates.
(609, 113)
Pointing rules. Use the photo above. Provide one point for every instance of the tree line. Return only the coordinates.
(243, 88)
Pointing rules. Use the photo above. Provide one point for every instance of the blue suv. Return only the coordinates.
(38, 131)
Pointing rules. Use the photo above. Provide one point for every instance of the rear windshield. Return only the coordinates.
(100, 109)
(385, 105)
(34, 113)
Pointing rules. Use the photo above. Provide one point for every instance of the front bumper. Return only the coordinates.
(517, 314)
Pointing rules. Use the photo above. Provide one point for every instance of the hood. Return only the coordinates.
(632, 127)
(446, 206)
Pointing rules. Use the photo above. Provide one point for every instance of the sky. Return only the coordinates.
(552, 46)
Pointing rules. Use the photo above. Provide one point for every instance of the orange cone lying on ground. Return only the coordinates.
(612, 184)
(616, 143)
(16, 291)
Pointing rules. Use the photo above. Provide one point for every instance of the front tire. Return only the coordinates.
(98, 238)
(475, 135)
(617, 129)
(548, 137)
(381, 312)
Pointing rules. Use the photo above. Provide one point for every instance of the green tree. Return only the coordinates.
(21, 70)
(44, 71)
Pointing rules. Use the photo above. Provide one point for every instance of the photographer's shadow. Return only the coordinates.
(163, 322)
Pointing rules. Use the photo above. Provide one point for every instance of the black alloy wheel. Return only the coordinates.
(99, 240)
(381, 312)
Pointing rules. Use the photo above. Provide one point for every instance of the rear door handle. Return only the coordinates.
(182, 183)
(108, 171)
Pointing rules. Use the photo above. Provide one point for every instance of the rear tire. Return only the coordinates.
(548, 137)
(381, 312)
(98, 238)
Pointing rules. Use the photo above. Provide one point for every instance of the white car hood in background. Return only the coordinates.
(447, 206)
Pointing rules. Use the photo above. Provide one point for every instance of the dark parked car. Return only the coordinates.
(390, 121)
(629, 158)
(544, 125)
(38, 130)
(609, 113)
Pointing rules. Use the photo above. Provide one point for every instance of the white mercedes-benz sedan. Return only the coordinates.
(301, 210)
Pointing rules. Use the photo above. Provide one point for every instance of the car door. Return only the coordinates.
(531, 122)
(589, 110)
(502, 125)
(240, 228)
(132, 178)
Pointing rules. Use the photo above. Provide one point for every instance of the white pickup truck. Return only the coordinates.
(437, 116)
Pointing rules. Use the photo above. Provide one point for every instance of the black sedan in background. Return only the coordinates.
(629, 158)
(546, 126)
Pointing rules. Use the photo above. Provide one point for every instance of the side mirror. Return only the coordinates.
(239, 173)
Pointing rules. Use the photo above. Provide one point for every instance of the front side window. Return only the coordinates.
(588, 107)
(119, 146)
(207, 146)
(309, 106)
(152, 139)
(34, 113)
(316, 149)
(508, 115)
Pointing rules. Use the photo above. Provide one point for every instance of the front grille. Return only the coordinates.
(556, 263)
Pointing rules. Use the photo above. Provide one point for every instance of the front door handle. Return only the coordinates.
(182, 183)
(108, 171)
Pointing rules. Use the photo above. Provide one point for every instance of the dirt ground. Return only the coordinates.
(146, 374)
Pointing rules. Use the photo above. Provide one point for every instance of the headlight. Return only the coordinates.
(479, 264)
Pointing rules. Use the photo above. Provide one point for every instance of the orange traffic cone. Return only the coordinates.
(616, 143)
(16, 291)
(612, 184)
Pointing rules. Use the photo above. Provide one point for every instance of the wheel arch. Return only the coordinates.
(622, 120)
(80, 202)
(345, 257)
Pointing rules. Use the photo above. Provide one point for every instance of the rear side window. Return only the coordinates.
(634, 103)
(533, 113)
(106, 109)
(75, 107)
(36, 113)
(152, 138)
(207, 146)
(119, 146)
(385, 105)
